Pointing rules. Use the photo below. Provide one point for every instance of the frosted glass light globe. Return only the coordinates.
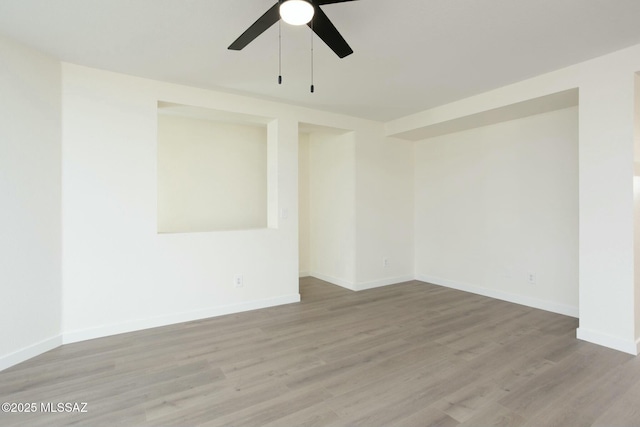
(296, 12)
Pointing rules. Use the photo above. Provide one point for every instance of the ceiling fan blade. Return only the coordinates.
(325, 29)
(269, 18)
(321, 2)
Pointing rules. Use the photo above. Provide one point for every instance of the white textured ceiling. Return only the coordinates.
(409, 55)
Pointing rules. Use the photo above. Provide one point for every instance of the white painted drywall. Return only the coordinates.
(360, 196)
(304, 255)
(119, 273)
(606, 162)
(498, 202)
(606, 123)
(636, 206)
(636, 244)
(384, 210)
(211, 176)
(30, 211)
(332, 189)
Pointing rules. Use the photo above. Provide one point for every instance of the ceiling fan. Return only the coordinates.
(311, 14)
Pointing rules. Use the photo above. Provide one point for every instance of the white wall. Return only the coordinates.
(119, 273)
(636, 204)
(636, 244)
(211, 175)
(606, 162)
(30, 185)
(605, 158)
(498, 202)
(304, 246)
(360, 196)
(332, 207)
(384, 210)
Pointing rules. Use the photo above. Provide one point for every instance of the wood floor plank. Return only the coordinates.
(411, 354)
(421, 386)
(553, 385)
(426, 417)
(624, 411)
(385, 370)
(582, 405)
(463, 403)
(495, 415)
(313, 416)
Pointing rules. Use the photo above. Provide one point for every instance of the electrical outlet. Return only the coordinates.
(385, 262)
(531, 278)
(238, 281)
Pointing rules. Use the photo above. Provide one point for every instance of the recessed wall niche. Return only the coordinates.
(212, 170)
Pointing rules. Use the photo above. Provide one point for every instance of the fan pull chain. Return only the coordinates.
(279, 52)
(312, 87)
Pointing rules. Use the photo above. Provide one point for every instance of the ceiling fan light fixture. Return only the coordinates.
(296, 12)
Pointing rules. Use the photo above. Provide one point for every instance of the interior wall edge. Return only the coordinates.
(551, 306)
(141, 324)
(30, 352)
(362, 286)
(30, 200)
(615, 343)
(516, 110)
(334, 280)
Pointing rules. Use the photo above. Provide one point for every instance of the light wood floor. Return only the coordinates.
(411, 354)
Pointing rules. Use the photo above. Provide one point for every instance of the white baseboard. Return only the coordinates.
(334, 280)
(136, 325)
(26, 353)
(620, 344)
(304, 274)
(361, 286)
(551, 306)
